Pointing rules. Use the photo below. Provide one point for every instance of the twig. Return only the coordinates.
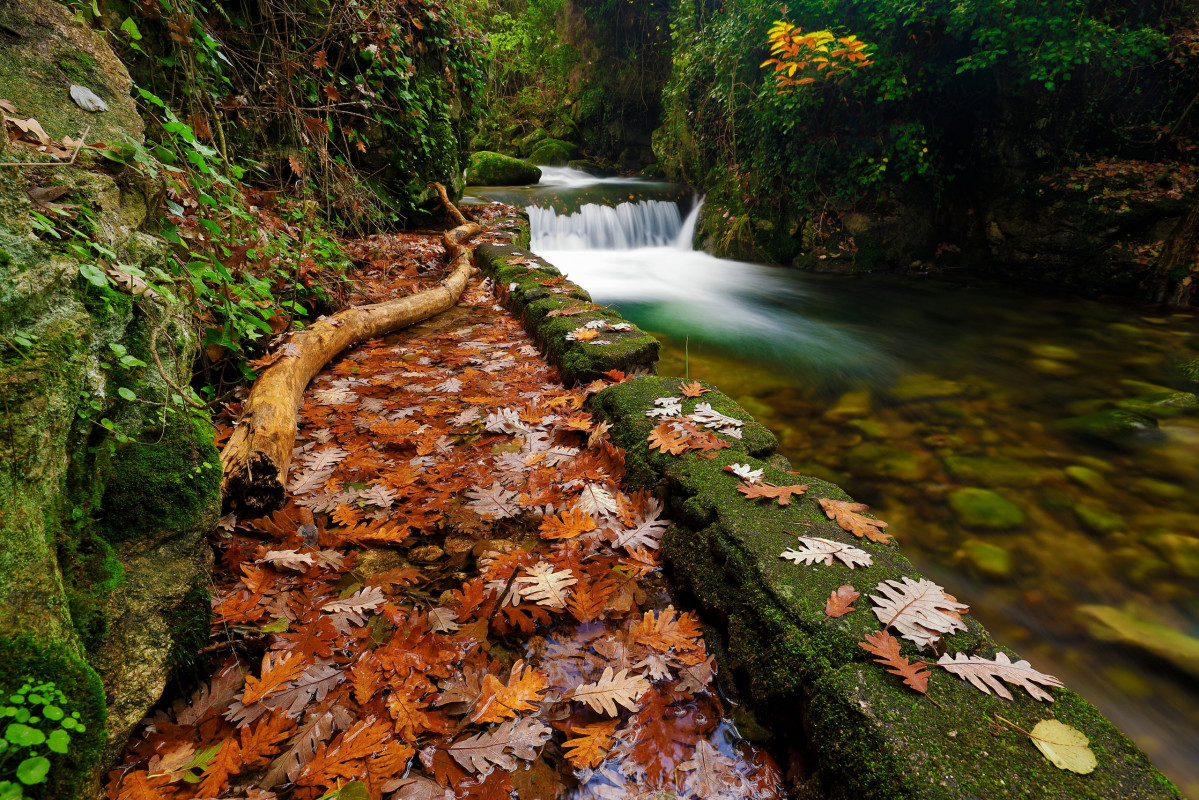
(74, 155)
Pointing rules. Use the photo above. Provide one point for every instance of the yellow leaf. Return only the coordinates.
(1065, 747)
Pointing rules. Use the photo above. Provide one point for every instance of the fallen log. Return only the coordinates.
(255, 460)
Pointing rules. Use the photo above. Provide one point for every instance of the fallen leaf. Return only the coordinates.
(590, 744)
(611, 690)
(885, 649)
(822, 551)
(986, 675)
(838, 603)
(782, 494)
(1066, 747)
(693, 389)
(919, 611)
(847, 516)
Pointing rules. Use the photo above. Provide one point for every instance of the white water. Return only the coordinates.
(642, 253)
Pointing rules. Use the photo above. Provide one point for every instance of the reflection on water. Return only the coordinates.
(1037, 455)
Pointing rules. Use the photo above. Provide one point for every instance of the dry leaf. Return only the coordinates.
(823, 551)
(612, 690)
(545, 585)
(838, 603)
(847, 516)
(497, 701)
(885, 649)
(520, 738)
(665, 439)
(986, 675)
(693, 389)
(567, 524)
(919, 611)
(782, 494)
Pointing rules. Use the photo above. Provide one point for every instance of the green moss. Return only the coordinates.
(496, 169)
(982, 508)
(190, 624)
(552, 153)
(24, 656)
(163, 485)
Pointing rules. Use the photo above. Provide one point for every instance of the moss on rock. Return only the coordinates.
(552, 153)
(870, 737)
(496, 169)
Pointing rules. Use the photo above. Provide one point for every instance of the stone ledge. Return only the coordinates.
(532, 288)
(870, 736)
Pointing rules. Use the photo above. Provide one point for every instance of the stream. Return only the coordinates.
(1034, 454)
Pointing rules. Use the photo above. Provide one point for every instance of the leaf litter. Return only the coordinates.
(458, 588)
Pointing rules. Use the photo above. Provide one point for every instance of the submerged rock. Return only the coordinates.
(850, 405)
(1087, 478)
(881, 461)
(992, 471)
(1134, 628)
(496, 169)
(1180, 552)
(1114, 424)
(925, 386)
(1097, 519)
(982, 508)
(1161, 405)
(989, 560)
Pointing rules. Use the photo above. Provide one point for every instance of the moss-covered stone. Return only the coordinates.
(552, 153)
(1111, 425)
(982, 508)
(534, 289)
(531, 140)
(496, 169)
(168, 485)
(870, 737)
(1098, 519)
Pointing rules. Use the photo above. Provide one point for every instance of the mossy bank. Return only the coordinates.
(111, 484)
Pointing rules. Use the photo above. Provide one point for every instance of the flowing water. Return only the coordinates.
(976, 419)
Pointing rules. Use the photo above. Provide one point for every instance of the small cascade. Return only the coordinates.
(686, 238)
(628, 226)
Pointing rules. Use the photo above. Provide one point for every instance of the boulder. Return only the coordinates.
(527, 143)
(552, 153)
(1113, 425)
(496, 169)
(992, 471)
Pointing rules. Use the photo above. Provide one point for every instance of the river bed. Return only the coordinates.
(1037, 455)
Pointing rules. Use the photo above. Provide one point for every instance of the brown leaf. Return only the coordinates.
(783, 494)
(497, 701)
(567, 524)
(885, 649)
(919, 611)
(847, 516)
(275, 675)
(664, 439)
(838, 603)
(693, 389)
(521, 738)
(986, 675)
(297, 166)
(611, 690)
(320, 60)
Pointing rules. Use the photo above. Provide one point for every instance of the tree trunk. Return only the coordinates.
(1176, 275)
(255, 460)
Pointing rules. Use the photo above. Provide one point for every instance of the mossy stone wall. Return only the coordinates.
(104, 558)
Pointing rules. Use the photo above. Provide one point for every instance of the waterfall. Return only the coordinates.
(628, 226)
(686, 238)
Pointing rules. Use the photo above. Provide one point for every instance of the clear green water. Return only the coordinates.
(1080, 549)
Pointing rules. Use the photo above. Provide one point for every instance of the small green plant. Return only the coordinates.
(38, 724)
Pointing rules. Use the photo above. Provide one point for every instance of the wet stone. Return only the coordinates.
(992, 471)
(887, 462)
(850, 405)
(925, 386)
(1113, 424)
(1161, 405)
(1087, 478)
(982, 508)
(1097, 519)
(1181, 552)
(1135, 628)
(989, 560)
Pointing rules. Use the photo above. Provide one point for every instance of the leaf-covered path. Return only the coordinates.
(458, 598)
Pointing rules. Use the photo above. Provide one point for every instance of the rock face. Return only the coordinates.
(552, 153)
(103, 537)
(496, 169)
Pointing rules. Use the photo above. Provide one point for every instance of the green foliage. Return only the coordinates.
(38, 723)
(949, 81)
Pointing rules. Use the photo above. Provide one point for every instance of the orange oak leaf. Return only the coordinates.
(885, 649)
(567, 524)
(666, 630)
(847, 516)
(261, 742)
(287, 667)
(408, 711)
(693, 389)
(226, 762)
(838, 603)
(497, 701)
(587, 602)
(140, 786)
(664, 438)
(590, 744)
(783, 494)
